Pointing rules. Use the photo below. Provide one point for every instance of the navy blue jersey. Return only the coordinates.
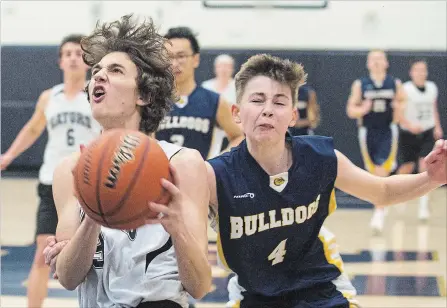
(191, 124)
(270, 237)
(382, 96)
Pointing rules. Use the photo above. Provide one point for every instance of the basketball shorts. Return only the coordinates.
(159, 304)
(300, 131)
(325, 295)
(379, 147)
(46, 213)
(412, 147)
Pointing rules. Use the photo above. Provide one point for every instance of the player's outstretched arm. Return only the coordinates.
(397, 188)
(185, 218)
(29, 133)
(75, 259)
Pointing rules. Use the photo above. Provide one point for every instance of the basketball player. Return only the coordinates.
(194, 120)
(158, 264)
(223, 84)
(420, 125)
(375, 101)
(272, 194)
(66, 114)
(308, 112)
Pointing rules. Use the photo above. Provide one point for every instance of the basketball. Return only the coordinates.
(116, 177)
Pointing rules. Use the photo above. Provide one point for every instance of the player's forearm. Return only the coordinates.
(23, 141)
(194, 269)
(75, 260)
(401, 188)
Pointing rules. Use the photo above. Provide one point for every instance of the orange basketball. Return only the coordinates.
(116, 177)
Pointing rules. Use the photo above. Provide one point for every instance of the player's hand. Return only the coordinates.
(366, 106)
(5, 160)
(51, 252)
(173, 215)
(438, 133)
(436, 162)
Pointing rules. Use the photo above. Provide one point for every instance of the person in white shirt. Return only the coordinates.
(223, 84)
(420, 126)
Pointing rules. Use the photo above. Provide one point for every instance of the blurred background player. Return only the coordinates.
(223, 83)
(199, 112)
(65, 112)
(420, 125)
(308, 112)
(375, 101)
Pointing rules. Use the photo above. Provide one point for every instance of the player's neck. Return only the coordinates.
(419, 83)
(378, 77)
(73, 85)
(132, 123)
(273, 159)
(185, 88)
(222, 83)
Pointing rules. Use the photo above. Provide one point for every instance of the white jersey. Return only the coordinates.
(69, 124)
(229, 94)
(421, 104)
(131, 267)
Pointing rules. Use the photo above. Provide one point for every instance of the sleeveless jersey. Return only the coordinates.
(69, 124)
(382, 96)
(269, 226)
(421, 104)
(130, 267)
(192, 122)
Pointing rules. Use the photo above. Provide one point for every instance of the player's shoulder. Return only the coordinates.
(431, 84)
(227, 160)
(314, 144)
(181, 156)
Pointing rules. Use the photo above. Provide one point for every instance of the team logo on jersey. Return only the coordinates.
(279, 181)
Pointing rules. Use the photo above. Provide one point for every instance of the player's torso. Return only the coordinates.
(191, 123)
(69, 124)
(270, 238)
(133, 266)
(382, 96)
(420, 104)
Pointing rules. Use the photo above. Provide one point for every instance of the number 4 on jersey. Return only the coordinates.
(277, 255)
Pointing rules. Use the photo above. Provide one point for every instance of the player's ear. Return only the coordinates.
(141, 102)
(295, 117)
(235, 111)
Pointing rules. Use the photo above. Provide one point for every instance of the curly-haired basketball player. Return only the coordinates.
(157, 264)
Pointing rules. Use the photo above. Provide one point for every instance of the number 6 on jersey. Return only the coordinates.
(277, 255)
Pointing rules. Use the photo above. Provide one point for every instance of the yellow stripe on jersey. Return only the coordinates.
(220, 252)
(390, 161)
(330, 247)
(332, 202)
(369, 164)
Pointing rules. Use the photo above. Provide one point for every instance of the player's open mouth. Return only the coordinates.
(268, 126)
(98, 94)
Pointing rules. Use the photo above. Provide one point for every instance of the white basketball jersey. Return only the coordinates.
(69, 124)
(229, 94)
(420, 104)
(131, 267)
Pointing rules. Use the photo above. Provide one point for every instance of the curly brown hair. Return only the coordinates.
(281, 70)
(146, 49)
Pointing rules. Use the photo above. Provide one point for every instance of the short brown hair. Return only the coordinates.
(283, 71)
(146, 49)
